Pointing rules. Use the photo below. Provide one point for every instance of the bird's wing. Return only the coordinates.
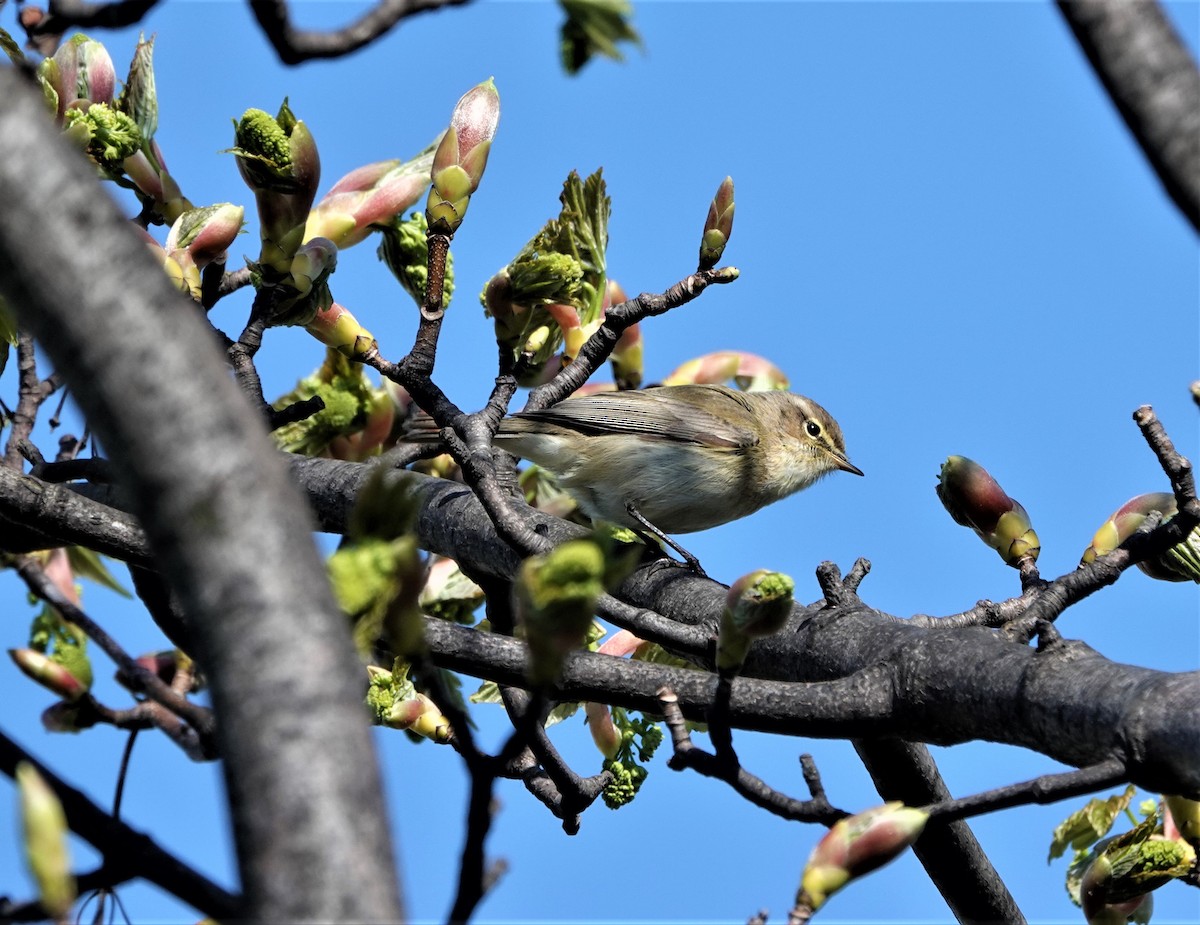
(663, 413)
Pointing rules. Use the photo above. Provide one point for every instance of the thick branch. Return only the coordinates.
(948, 850)
(229, 533)
(1153, 82)
(941, 685)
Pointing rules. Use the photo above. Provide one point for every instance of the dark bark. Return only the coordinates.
(1153, 81)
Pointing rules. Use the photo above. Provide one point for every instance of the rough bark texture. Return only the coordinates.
(229, 532)
(1153, 82)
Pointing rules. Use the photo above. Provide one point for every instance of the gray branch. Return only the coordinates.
(1154, 83)
(229, 532)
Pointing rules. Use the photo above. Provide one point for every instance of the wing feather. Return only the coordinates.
(703, 414)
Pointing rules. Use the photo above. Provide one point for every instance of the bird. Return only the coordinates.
(677, 458)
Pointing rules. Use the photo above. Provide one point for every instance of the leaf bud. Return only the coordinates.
(51, 674)
(336, 327)
(368, 197)
(44, 825)
(556, 597)
(974, 499)
(605, 734)
(449, 594)
(80, 73)
(857, 845)
(1179, 563)
(199, 237)
(749, 372)
(757, 604)
(461, 156)
(718, 226)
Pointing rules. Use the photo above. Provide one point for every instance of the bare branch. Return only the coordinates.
(127, 853)
(1153, 82)
(296, 45)
(115, 15)
(1049, 788)
(141, 679)
(745, 784)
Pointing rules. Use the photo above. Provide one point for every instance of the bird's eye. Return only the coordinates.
(813, 428)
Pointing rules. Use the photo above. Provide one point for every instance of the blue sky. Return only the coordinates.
(946, 237)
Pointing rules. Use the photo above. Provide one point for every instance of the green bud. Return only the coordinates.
(461, 156)
(855, 846)
(277, 157)
(1179, 563)
(718, 226)
(556, 598)
(44, 825)
(757, 605)
(1128, 867)
(976, 500)
(108, 136)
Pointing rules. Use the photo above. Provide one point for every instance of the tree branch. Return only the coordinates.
(127, 853)
(229, 533)
(296, 45)
(1153, 81)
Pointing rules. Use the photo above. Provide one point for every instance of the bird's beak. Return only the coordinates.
(846, 466)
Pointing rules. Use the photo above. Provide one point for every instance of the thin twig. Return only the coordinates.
(725, 767)
(200, 718)
(128, 854)
(296, 45)
(1049, 788)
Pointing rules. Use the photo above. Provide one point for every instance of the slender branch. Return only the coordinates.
(115, 15)
(127, 853)
(1049, 788)
(296, 45)
(598, 347)
(1152, 79)
(142, 680)
(234, 280)
(726, 768)
(32, 391)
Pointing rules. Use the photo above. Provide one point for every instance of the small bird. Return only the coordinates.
(681, 458)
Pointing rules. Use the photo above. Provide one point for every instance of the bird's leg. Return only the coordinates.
(688, 559)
